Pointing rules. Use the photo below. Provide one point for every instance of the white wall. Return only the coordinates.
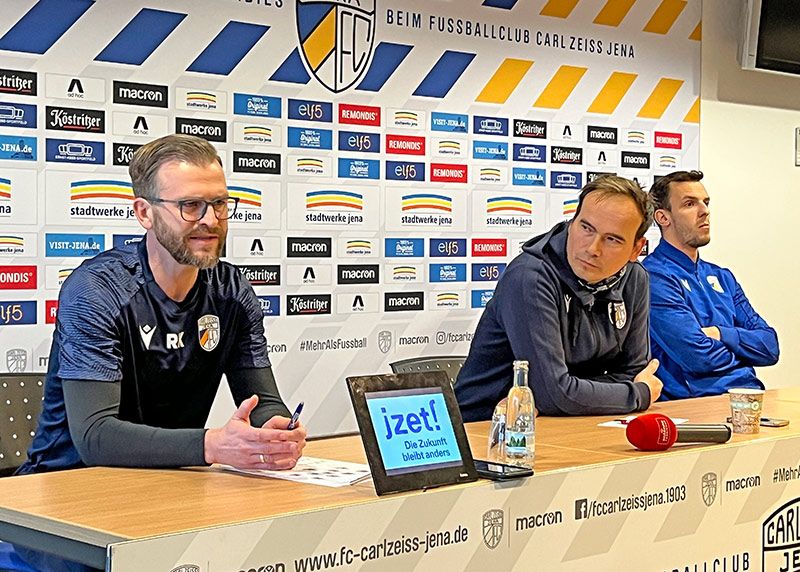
(747, 153)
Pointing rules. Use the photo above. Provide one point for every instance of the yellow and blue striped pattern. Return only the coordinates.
(258, 130)
(427, 201)
(355, 246)
(334, 198)
(510, 205)
(201, 97)
(404, 272)
(490, 172)
(5, 188)
(449, 145)
(310, 162)
(100, 189)
(9, 240)
(570, 207)
(447, 297)
(246, 196)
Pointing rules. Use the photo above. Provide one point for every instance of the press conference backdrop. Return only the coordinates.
(389, 157)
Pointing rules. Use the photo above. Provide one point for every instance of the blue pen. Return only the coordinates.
(295, 416)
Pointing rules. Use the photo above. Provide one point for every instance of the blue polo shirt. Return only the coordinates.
(686, 296)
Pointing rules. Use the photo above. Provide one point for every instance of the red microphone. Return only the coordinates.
(657, 432)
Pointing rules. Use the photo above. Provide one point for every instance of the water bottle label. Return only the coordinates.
(517, 443)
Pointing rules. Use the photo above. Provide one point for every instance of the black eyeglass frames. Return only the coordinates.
(193, 210)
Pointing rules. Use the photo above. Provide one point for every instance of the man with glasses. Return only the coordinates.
(145, 332)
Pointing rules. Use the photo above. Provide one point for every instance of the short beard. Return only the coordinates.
(178, 246)
(698, 242)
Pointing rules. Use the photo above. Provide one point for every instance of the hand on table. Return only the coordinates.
(243, 446)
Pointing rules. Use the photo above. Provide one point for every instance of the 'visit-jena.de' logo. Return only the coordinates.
(336, 39)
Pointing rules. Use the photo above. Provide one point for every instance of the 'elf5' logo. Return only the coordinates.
(306, 110)
(17, 313)
(359, 142)
(446, 247)
(405, 171)
(487, 272)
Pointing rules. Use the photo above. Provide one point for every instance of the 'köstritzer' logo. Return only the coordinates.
(780, 536)
(336, 39)
(308, 304)
(17, 82)
(75, 120)
(708, 486)
(493, 528)
(269, 275)
(123, 153)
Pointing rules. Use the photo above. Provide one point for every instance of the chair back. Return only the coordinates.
(449, 364)
(21, 397)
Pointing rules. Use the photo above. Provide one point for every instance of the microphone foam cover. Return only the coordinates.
(651, 432)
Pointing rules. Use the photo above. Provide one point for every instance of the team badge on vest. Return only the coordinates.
(715, 285)
(617, 314)
(208, 332)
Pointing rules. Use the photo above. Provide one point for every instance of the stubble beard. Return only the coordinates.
(178, 246)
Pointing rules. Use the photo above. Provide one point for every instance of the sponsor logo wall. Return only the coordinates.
(441, 128)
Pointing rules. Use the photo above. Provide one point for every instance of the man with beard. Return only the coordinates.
(703, 329)
(145, 332)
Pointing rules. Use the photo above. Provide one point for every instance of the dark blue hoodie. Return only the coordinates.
(583, 348)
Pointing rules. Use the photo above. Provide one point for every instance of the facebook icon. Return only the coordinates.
(581, 509)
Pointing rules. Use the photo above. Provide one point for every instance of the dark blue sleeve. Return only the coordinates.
(87, 320)
(751, 339)
(675, 328)
(250, 349)
(261, 382)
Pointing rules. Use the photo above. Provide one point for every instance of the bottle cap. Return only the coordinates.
(521, 364)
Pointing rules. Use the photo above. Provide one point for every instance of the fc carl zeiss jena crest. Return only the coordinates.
(336, 39)
(208, 332)
(617, 314)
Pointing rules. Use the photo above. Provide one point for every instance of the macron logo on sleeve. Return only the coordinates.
(147, 332)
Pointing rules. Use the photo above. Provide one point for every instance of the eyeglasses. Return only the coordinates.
(193, 210)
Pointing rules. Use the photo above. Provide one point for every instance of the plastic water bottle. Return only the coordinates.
(497, 431)
(520, 437)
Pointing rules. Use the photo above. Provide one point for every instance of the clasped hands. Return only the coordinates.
(271, 446)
